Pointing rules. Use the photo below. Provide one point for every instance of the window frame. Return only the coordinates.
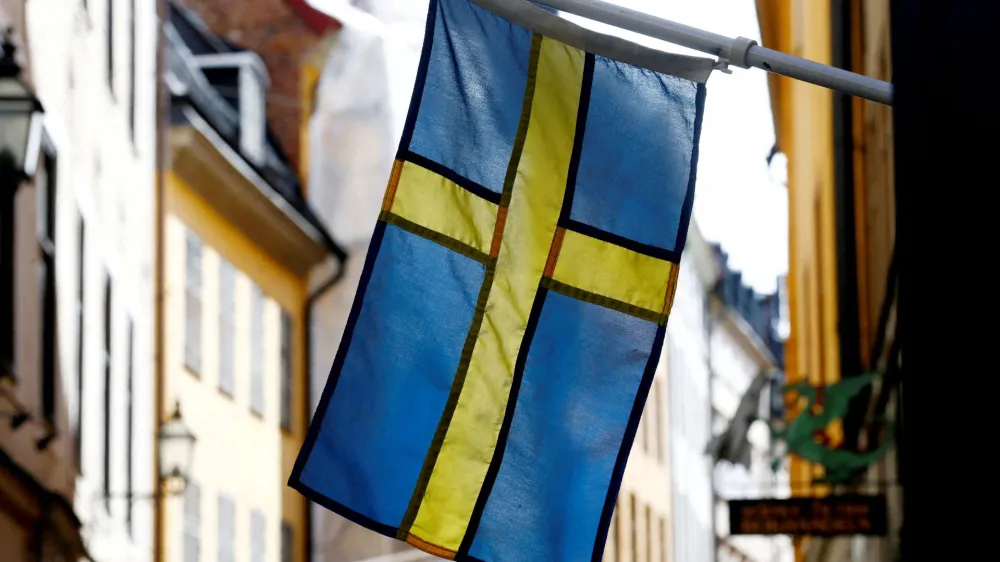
(130, 428)
(81, 280)
(110, 46)
(108, 359)
(8, 275)
(132, 72)
(47, 189)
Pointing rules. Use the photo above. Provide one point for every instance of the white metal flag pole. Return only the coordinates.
(740, 52)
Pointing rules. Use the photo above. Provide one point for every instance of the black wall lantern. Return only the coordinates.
(20, 141)
(20, 110)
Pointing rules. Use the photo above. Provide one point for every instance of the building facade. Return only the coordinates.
(841, 280)
(38, 455)
(744, 344)
(687, 366)
(240, 244)
(86, 294)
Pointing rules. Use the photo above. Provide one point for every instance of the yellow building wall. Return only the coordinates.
(238, 453)
(804, 127)
(805, 124)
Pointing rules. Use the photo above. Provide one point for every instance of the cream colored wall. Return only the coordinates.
(647, 484)
(237, 453)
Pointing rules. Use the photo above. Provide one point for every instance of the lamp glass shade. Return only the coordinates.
(176, 449)
(17, 108)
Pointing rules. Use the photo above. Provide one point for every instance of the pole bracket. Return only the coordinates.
(735, 55)
(738, 52)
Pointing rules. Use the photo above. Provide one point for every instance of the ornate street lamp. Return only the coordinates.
(20, 112)
(176, 444)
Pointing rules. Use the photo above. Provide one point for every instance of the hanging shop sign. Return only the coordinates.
(827, 516)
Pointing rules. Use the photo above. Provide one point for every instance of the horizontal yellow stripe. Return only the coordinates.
(433, 202)
(611, 271)
(535, 203)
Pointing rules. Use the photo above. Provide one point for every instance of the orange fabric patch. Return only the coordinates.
(390, 192)
(498, 233)
(550, 265)
(668, 302)
(430, 548)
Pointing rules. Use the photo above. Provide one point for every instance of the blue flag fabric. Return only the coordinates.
(514, 300)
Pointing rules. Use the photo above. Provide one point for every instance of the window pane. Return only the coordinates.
(257, 343)
(227, 529)
(286, 371)
(192, 310)
(287, 542)
(192, 523)
(258, 531)
(107, 392)
(80, 271)
(130, 411)
(227, 304)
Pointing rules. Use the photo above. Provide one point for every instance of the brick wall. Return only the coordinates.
(277, 31)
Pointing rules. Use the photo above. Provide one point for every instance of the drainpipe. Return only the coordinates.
(162, 123)
(314, 296)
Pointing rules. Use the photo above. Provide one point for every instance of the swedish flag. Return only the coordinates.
(513, 304)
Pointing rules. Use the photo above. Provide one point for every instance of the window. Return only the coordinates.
(257, 349)
(644, 425)
(46, 182)
(252, 114)
(287, 542)
(111, 46)
(7, 324)
(227, 529)
(81, 269)
(286, 371)
(129, 435)
(131, 68)
(635, 529)
(649, 534)
(258, 530)
(227, 327)
(664, 543)
(192, 305)
(107, 393)
(192, 523)
(658, 433)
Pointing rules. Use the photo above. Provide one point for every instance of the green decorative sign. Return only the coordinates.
(806, 434)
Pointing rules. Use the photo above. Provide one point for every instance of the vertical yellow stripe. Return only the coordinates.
(535, 203)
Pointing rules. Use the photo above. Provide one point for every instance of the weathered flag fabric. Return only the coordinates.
(513, 304)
